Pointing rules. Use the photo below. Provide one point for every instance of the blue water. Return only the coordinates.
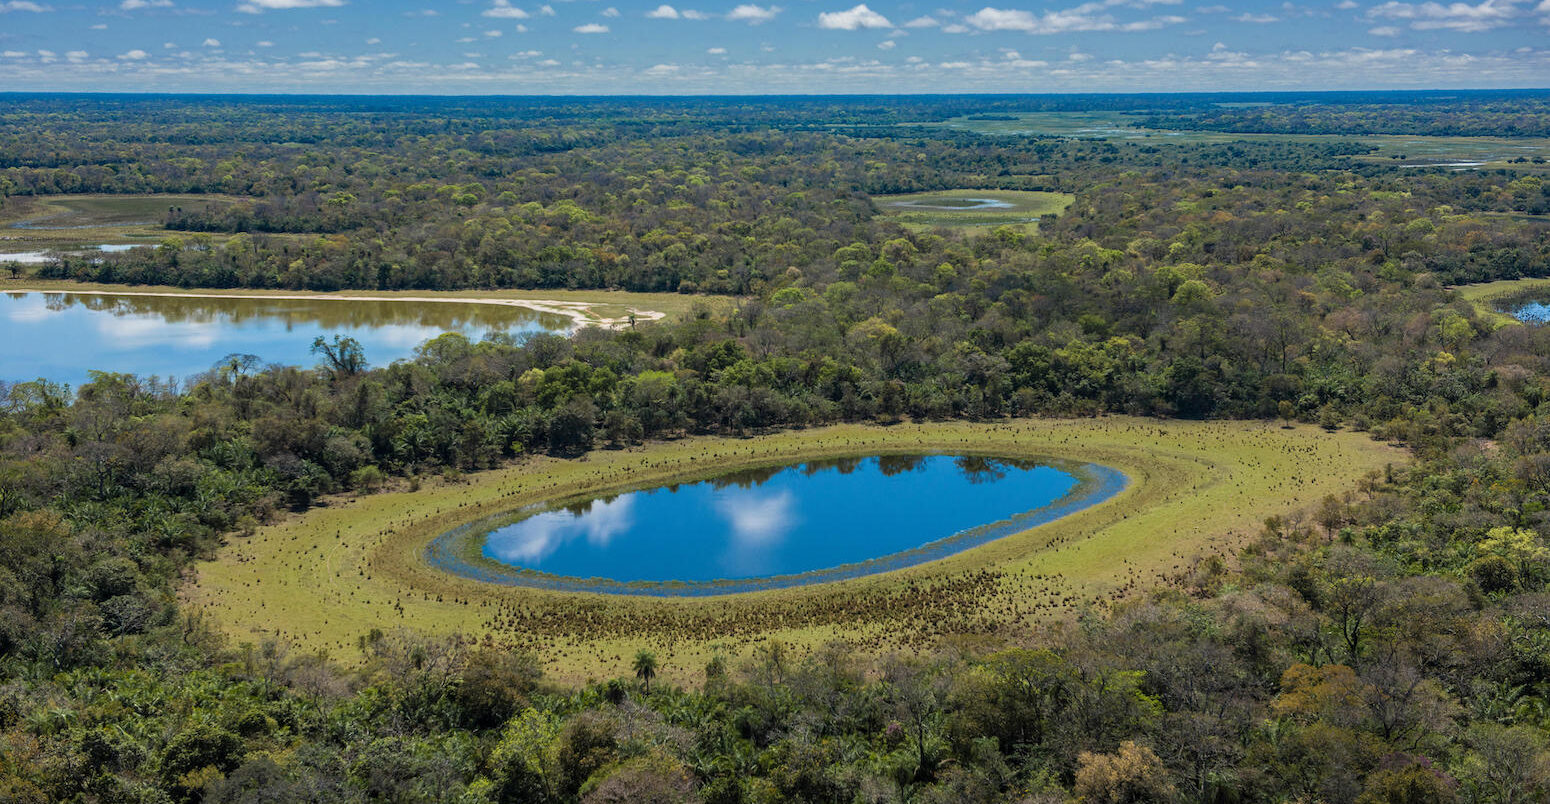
(1533, 313)
(869, 514)
(61, 337)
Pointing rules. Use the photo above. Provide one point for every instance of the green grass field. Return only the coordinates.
(966, 208)
(1489, 152)
(322, 579)
(64, 222)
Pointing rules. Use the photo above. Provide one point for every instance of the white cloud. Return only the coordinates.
(717, 51)
(23, 5)
(494, 34)
(136, 5)
(546, 10)
(667, 12)
(853, 19)
(1347, 5)
(260, 6)
(1257, 19)
(1464, 17)
(77, 55)
(887, 45)
(752, 14)
(133, 55)
(374, 41)
(1384, 30)
(1085, 17)
(610, 12)
(661, 69)
(503, 9)
(927, 21)
(212, 42)
(591, 28)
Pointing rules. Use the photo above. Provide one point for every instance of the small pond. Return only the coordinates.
(41, 257)
(62, 336)
(953, 204)
(774, 527)
(1532, 312)
(1529, 308)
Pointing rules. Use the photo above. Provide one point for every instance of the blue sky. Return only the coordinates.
(790, 46)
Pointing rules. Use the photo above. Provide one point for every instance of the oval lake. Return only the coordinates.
(773, 527)
(62, 336)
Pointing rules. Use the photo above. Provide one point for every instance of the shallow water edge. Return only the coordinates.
(460, 551)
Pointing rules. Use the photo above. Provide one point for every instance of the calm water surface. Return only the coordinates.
(1533, 312)
(62, 336)
(785, 520)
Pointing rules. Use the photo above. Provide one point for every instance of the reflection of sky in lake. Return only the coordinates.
(781, 521)
(61, 337)
(544, 533)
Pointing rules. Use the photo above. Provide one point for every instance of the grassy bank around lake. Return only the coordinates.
(1486, 295)
(323, 579)
(602, 307)
(955, 208)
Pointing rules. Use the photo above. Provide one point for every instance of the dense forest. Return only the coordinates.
(1391, 646)
(1479, 117)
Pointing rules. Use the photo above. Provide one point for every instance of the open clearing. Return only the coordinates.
(65, 222)
(323, 579)
(976, 208)
(1449, 153)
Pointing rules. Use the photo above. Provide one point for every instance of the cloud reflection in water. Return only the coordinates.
(140, 331)
(755, 519)
(528, 542)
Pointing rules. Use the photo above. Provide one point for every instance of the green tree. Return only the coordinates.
(645, 667)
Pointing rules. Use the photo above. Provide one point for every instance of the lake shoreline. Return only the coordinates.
(460, 551)
(580, 313)
(1187, 499)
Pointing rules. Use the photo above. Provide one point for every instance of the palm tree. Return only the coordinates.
(645, 668)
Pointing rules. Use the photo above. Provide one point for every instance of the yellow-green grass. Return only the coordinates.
(1486, 295)
(596, 305)
(322, 579)
(40, 223)
(936, 209)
